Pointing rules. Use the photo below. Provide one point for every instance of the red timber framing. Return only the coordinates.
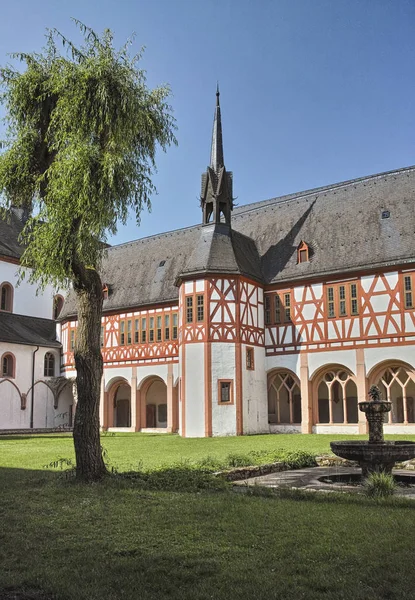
(126, 338)
(365, 311)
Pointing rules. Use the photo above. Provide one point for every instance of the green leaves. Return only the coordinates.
(81, 147)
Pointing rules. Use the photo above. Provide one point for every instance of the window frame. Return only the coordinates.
(250, 362)
(303, 247)
(405, 292)
(277, 306)
(8, 306)
(49, 365)
(230, 401)
(11, 369)
(343, 299)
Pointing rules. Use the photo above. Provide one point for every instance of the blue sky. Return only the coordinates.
(312, 91)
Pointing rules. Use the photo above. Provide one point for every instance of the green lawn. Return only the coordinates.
(116, 540)
(127, 451)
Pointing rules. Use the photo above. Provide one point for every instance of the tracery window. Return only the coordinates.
(284, 399)
(337, 398)
(397, 386)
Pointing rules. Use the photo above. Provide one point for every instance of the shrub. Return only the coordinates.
(379, 485)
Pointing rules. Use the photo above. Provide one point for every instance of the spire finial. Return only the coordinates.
(216, 153)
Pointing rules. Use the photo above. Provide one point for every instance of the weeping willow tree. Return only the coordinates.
(83, 129)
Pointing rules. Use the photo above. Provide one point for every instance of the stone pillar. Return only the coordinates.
(362, 391)
(133, 399)
(102, 403)
(138, 411)
(306, 399)
(170, 399)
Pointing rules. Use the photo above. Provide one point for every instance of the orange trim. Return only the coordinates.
(9, 259)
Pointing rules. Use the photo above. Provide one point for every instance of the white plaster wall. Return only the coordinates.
(114, 373)
(399, 429)
(223, 367)
(336, 429)
(346, 358)
(289, 361)
(374, 356)
(44, 414)
(195, 390)
(25, 300)
(254, 393)
(273, 428)
(150, 370)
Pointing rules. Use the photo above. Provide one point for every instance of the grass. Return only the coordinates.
(117, 539)
(129, 451)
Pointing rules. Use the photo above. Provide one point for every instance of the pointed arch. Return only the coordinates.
(334, 394)
(284, 397)
(396, 381)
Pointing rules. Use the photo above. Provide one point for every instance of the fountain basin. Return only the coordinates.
(374, 457)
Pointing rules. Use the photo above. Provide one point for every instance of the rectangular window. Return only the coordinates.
(287, 307)
(250, 359)
(225, 391)
(143, 330)
(159, 336)
(175, 322)
(151, 330)
(267, 301)
(72, 340)
(342, 301)
(354, 308)
(122, 333)
(189, 309)
(136, 331)
(408, 291)
(167, 327)
(330, 302)
(277, 309)
(200, 308)
(129, 335)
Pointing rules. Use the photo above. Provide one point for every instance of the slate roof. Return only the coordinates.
(10, 230)
(342, 223)
(31, 331)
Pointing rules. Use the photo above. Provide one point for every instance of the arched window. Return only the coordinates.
(284, 399)
(397, 386)
(57, 306)
(6, 297)
(337, 398)
(8, 365)
(49, 365)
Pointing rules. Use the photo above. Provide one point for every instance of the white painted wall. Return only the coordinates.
(195, 390)
(274, 428)
(289, 361)
(345, 358)
(336, 429)
(374, 356)
(223, 367)
(254, 393)
(44, 415)
(25, 300)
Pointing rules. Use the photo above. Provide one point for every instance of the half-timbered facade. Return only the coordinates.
(275, 316)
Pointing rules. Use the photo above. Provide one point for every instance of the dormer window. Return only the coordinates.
(105, 291)
(57, 306)
(303, 253)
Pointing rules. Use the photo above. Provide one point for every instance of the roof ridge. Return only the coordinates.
(13, 314)
(269, 202)
(302, 193)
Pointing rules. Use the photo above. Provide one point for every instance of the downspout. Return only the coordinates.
(32, 405)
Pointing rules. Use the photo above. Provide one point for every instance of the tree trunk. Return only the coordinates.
(89, 368)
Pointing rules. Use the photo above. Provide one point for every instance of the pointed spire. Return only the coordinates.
(216, 153)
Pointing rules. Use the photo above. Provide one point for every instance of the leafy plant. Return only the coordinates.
(380, 485)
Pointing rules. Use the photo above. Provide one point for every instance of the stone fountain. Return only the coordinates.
(374, 455)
